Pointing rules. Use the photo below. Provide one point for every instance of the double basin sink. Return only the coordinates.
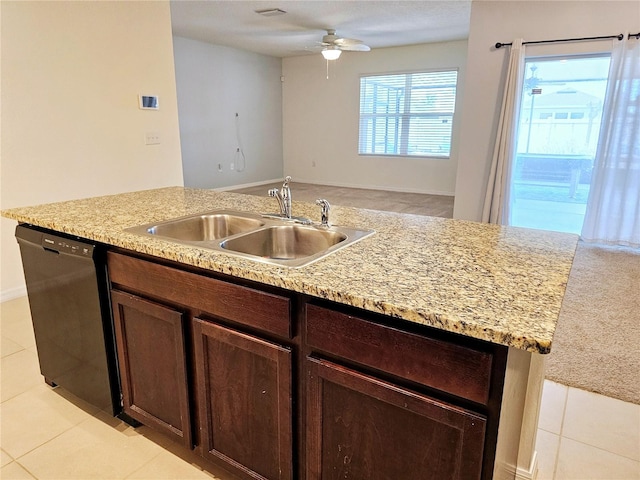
(266, 239)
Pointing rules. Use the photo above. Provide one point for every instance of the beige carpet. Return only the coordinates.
(597, 343)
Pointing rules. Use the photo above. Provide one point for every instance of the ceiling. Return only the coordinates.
(379, 24)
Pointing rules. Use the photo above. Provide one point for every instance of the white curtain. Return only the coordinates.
(613, 207)
(496, 202)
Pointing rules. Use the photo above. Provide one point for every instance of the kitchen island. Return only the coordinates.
(435, 290)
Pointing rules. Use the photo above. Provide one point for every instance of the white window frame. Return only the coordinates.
(402, 116)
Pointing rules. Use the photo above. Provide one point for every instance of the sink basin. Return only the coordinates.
(285, 242)
(202, 228)
(262, 238)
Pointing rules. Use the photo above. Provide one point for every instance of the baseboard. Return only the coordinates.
(247, 185)
(532, 472)
(13, 293)
(375, 187)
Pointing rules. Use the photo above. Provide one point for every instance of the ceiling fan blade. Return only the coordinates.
(332, 42)
(346, 41)
(355, 48)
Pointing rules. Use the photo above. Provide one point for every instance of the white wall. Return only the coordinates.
(502, 21)
(71, 126)
(321, 120)
(214, 83)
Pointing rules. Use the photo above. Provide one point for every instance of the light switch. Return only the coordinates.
(152, 138)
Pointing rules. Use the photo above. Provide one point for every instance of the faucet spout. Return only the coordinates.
(276, 194)
(284, 197)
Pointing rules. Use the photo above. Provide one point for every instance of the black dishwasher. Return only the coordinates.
(68, 296)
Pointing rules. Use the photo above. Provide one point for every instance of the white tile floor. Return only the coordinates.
(49, 434)
(583, 435)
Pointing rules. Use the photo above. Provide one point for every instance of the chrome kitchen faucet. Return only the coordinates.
(284, 197)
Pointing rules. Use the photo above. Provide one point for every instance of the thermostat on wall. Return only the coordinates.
(149, 102)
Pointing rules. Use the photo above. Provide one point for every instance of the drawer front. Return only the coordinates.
(454, 369)
(248, 306)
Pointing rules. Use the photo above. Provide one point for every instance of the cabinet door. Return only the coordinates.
(244, 400)
(361, 427)
(153, 371)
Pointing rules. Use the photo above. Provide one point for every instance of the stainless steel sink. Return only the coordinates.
(284, 242)
(201, 228)
(264, 239)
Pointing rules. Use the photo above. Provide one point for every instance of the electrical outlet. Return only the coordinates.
(232, 166)
(313, 163)
(219, 167)
(152, 138)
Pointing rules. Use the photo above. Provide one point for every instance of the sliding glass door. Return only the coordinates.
(558, 128)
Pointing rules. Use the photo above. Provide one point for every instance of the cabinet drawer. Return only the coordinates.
(454, 369)
(248, 306)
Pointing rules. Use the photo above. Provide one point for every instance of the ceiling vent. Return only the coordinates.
(270, 12)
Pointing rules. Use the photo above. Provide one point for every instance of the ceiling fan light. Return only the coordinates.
(331, 53)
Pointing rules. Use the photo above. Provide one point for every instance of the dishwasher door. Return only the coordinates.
(67, 292)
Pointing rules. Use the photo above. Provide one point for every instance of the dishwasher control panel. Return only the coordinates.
(63, 245)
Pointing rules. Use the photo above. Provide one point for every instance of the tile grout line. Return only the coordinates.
(18, 394)
(26, 469)
(564, 414)
(17, 459)
(561, 437)
(589, 444)
(145, 464)
(602, 450)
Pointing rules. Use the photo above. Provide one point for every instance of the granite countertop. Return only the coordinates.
(495, 283)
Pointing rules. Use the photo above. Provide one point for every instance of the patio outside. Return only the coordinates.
(558, 129)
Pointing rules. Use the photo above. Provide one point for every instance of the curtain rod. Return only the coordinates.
(619, 37)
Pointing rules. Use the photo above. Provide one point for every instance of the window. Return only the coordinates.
(409, 114)
(554, 156)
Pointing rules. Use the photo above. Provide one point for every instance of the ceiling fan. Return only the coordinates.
(333, 45)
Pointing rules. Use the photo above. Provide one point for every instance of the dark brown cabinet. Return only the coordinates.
(272, 385)
(186, 339)
(388, 403)
(362, 427)
(153, 364)
(244, 398)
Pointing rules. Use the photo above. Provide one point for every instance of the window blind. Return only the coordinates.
(409, 114)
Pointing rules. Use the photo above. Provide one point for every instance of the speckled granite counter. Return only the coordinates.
(500, 284)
